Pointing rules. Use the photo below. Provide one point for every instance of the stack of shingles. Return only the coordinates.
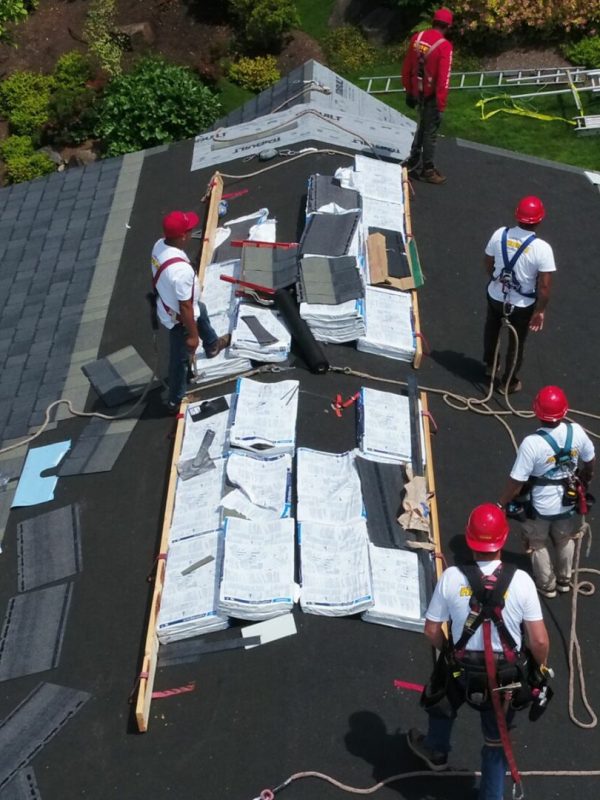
(330, 285)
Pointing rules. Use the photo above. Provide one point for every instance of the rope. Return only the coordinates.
(310, 151)
(269, 794)
(587, 589)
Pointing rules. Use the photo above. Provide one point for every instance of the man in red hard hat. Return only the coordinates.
(557, 462)
(456, 600)
(519, 265)
(178, 303)
(426, 79)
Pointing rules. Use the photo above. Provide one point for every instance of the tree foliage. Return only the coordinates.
(156, 103)
(24, 98)
(255, 74)
(263, 24)
(13, 11)
(485, 18)
(22, 162)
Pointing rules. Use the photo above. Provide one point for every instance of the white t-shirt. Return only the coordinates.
(176, 282)
(451, 597)
(537, 257)
(535, 456)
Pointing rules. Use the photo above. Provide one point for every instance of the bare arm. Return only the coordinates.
(512, 490)
(488, 263)
(433, 631)
(543, 296)
(537, 638)
(186, 312)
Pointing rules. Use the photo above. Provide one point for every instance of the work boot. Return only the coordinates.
(432, 175)
(563, 585)
(221, 343)
(547, 592)
(514, 387)
(434, 760)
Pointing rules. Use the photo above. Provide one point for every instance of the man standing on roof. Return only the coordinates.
(520, 267)
(178, 303)
(487, 602)
(557, 461)
(426, 79)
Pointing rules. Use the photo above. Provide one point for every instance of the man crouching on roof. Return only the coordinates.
(178, 304)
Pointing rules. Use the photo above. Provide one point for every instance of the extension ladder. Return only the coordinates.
(494, 79)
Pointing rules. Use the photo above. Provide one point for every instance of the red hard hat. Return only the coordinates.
(443, 15)
(530, 210)
(550, 404)
(487, 528)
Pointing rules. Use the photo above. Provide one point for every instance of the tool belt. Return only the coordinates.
(455, 681)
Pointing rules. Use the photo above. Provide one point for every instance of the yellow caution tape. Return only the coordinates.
(516, 109)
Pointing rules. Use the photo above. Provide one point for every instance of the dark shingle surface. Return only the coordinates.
(50, 232)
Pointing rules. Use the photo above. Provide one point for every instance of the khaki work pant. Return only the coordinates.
(537, 534)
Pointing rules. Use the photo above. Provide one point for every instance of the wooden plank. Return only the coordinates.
(210, 225)
(417, 322)
(430, 476)
(150, 658)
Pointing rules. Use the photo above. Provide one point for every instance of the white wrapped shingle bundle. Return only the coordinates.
(260, 334)
(389, 324)
(258, 568)
(265, 416)
(198, 503)
(263, 486)
(328, 487)
(396, 588)
(189, 601)
(336, 579)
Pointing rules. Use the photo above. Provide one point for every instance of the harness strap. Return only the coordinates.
(509, 263)
(562, 456)
(490, 667)
(159, 272)
(423, 56)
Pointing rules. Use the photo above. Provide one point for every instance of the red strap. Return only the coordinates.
(159, 272)
(490, 667)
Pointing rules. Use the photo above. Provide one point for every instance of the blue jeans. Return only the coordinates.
(493, 760)
(179, 355)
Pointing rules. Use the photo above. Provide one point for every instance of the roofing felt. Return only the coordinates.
(324, 698)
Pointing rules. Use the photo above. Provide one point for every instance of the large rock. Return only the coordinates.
(140, 35)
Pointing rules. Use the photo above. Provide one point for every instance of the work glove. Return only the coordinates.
(411, 101)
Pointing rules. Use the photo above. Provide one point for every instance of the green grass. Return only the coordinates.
(314, 15)
(231, 95)
(554, 140)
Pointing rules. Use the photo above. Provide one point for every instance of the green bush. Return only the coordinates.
(24, 99)
(485, 19)
(21, 160)
(72, 71)
(13, 11)
(15, 147)
(71, 108)
(255, 74)
(263, 24)
(347, 50)
(585, 53)
(156, 103)
(105, 43)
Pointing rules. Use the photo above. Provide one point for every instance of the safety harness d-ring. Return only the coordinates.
(267, 794)
(518, 791)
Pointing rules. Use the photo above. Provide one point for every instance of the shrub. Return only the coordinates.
(13, 11)
(24, 99)
(585, 53)
(22, 162)
(264, 23)
(155, 103)
(255, 74)
(71, 108)
(72, 71)
(480, 18)
(105, 43)
(347, 50)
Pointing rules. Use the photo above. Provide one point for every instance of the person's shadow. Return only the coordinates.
(390, 755)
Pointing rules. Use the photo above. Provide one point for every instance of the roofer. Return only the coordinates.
(426, 78)
(486, 601)
(520, 267)
(178, 304)
(557, 463)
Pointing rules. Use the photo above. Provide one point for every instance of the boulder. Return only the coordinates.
(140, 35)
(81, 156)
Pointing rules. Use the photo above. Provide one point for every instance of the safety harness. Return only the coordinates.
(486, 604)
(424, 50)
(563, 459)
(507, 274)
(156, 276)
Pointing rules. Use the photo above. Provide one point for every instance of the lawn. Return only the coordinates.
(314, 15)
(555, 140)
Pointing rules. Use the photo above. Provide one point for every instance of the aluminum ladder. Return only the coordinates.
(494, 79)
